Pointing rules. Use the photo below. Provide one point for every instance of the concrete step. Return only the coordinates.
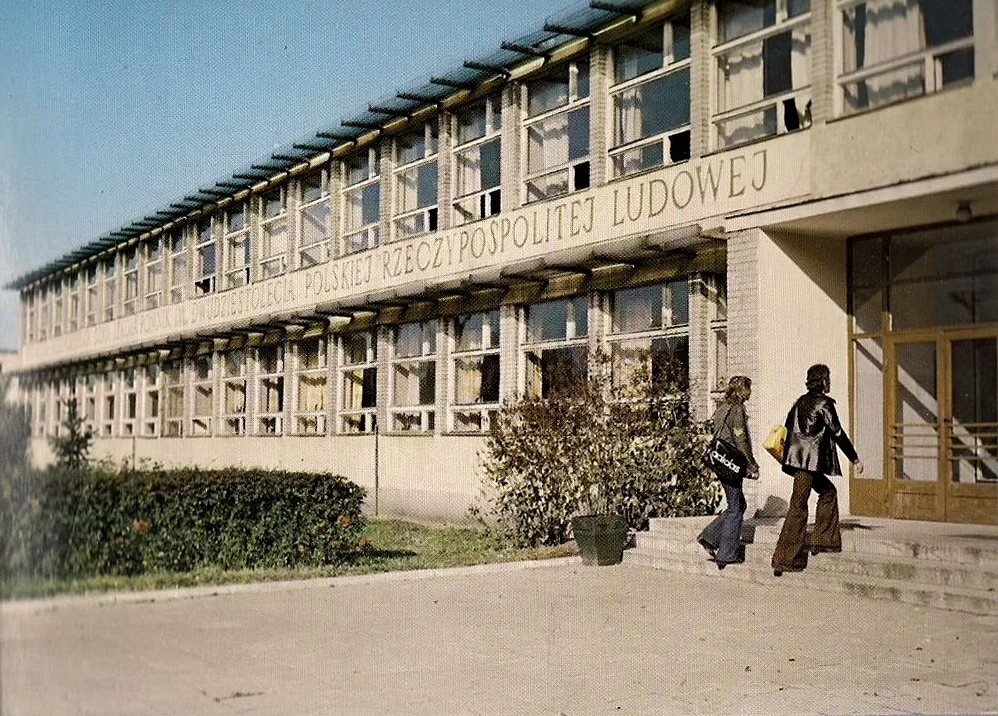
(961, 546)
(758, 571)
(944, 566)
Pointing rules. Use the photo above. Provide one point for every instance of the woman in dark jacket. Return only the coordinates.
(813, 431)
(722, 537)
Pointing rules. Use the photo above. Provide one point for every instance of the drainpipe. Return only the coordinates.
(376, 461)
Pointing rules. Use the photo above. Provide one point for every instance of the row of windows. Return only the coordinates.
(256, 390)
(890, 50)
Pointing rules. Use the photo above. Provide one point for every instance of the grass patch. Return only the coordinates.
(395, 546)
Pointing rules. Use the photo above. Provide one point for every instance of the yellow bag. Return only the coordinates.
(773, 444)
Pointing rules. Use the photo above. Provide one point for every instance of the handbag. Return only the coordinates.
(774, 442)
(726, 461)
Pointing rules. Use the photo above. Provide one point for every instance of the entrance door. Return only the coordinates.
(943, 426)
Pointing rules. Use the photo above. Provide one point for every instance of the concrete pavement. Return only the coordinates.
(540, 639)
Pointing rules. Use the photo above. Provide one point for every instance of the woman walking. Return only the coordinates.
(813, 431)
(722, 537)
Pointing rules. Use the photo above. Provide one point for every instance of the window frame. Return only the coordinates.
(205, 238)
(571, 168)
(532, 383)
(477, 416)
(927, 57)
(424, 218)
(238, 245)
(671, 67)
(275, 233)
(306, 256)
(154, 272)
(319, 372)
(480, 203)
(799, 97)
(270, 422)
(409, 418)
(131, 260)
(359, 419)
(364, 236)
(235, 382)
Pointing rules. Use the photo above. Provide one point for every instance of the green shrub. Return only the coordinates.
(65, 523)
(15, 432)
(629, 447)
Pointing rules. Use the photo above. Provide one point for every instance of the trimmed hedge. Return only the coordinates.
(61, 523)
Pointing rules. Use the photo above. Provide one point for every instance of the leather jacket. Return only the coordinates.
(813, 431)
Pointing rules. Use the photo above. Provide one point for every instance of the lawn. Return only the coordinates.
(395, 546)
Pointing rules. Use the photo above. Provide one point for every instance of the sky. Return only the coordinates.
(112, 109)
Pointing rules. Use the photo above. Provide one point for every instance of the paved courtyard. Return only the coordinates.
(544, 638)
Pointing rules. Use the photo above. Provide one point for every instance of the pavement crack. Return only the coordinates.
(237, 695)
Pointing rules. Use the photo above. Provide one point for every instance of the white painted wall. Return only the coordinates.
(802, 321)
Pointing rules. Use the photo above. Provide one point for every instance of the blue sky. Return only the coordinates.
(110, 109)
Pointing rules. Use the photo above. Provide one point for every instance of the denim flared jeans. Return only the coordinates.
(724, 534)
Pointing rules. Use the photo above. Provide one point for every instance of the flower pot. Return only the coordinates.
(601, 538)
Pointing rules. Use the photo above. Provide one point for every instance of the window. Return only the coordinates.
(179, 271)
(270, 390)
(88, 409)
(718, 313)
(130, 401)
(204, 275)
(150, 400)
(764, 69)
(73, 286)
(558, 131)
(234, 392)
(310, 418)
(154, 273)
(130, 275)
(274, 233)
(91, 305)
(110, 288)
(109, 411)
(414, 377)
(416, 181)
(649, 336)
(477, 159)
(314, 245)
(896, 49)
(236, 229)
(204, 395)
(175, 384)
(651, 99)
(57, 308)
(362, 201)
(555, 351)
(31, 322)
(475, 371)
(360, 382)
(44, 318)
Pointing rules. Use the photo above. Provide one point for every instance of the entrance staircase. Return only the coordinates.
(940, 565)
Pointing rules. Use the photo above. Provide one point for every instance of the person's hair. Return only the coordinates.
(819, 378)
(738, 390)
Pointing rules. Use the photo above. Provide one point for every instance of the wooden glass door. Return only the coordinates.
(943, 426)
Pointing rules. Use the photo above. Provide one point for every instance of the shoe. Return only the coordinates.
(778, 571)
(711, 549)
(817, 550)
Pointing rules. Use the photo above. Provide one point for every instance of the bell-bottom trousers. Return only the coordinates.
(791, 547)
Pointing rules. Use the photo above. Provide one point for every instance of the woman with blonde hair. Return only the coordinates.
(722, 537)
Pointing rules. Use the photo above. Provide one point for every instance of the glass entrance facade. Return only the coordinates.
(924, 309)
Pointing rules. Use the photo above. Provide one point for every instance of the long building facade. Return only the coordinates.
(743, 187)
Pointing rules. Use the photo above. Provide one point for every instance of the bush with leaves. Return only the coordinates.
(627, 447)
(15, 432)
(66, 523)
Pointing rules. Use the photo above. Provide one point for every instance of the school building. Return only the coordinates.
(730, 187)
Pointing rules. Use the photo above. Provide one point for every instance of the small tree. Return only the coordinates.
(73, 447)
(15, 431)
(625, 445)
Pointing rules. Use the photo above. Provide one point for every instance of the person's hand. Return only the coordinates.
(859, 467)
